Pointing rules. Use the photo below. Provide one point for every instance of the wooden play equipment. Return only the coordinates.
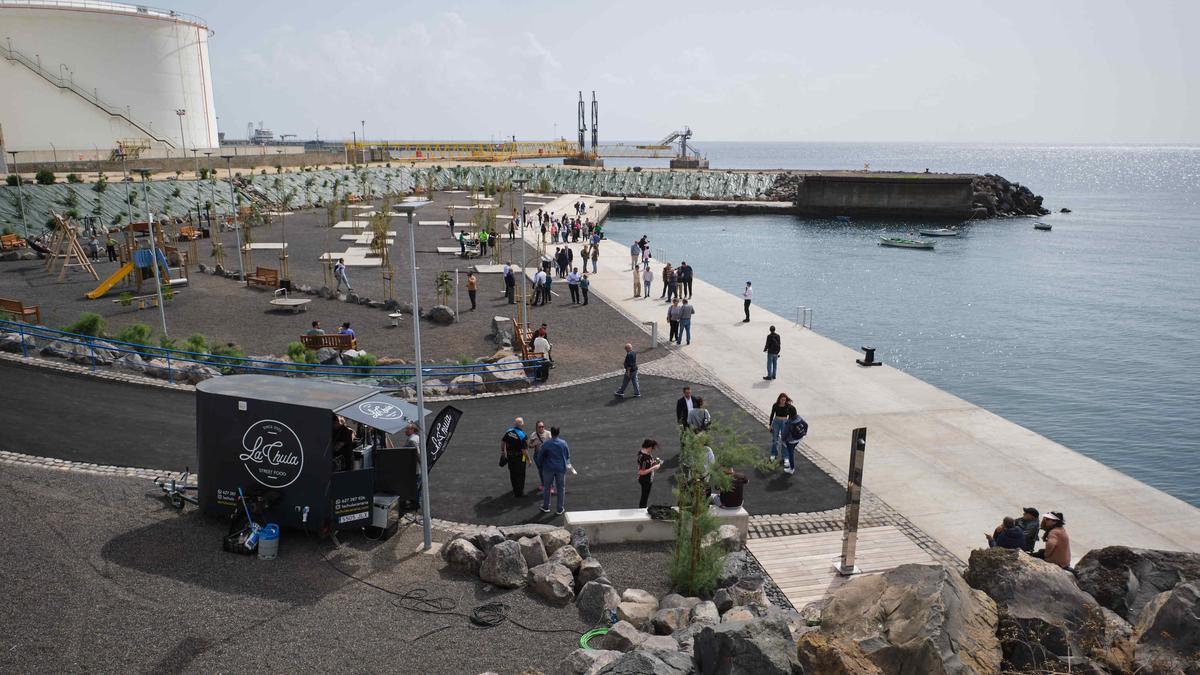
(137, 260)
(66, 251)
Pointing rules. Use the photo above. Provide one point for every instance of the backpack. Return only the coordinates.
(795, 429)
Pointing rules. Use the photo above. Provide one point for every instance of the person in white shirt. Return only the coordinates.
(541, 344)
(573, 278)
(647, 279)
(747, 296)
(539, 288)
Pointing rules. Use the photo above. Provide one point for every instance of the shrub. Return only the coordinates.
(298, 353)
(12, 179)
(44, 177)
(231, 352)
(196, 343)
(363, 362)
(175, 192)
(125, 298)
(74, 178)
(137, 334)
(88, 323)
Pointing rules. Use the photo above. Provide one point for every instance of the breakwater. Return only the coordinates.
(821, 193)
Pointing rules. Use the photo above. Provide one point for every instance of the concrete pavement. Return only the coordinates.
(952, 468)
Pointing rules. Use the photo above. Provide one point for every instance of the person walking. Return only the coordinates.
(583, 288)
(685, 279)
(513, 453)
(673, 320)
(782, 411)
(794, 430)
(647, 279)
(510, 283)
(630, 375)
(747, 296)
(556, 457)
(339, 273)
(573, 278)
(647, 465)
(772, 349)
(472, 286)
(595, 255)
(686, 310)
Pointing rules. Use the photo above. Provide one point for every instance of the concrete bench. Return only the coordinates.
(620, 526)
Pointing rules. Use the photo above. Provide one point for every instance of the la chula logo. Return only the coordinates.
(272, 453)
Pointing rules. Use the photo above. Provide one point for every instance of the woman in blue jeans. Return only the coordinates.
(781, 412)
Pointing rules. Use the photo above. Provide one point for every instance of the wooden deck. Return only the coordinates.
(802, 565)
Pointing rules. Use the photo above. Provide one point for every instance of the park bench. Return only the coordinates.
(620, 526)
(338, 341)
(524, 339)
(189, 233)
(20, 311)
(264, 276)
(9, 241)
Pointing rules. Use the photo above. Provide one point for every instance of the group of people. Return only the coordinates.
(544, 449)
(564, 229)
(1022, 533)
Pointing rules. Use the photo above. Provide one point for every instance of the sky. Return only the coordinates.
(1059, 71)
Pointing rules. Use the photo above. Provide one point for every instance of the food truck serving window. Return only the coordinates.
(381, 411)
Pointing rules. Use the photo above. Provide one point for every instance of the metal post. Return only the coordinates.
(162, 309)
(858, 448)
(237, 230)
(212, 191)
(366, 160)
(20, 192)
(196, 185)
(420, 383)
(457, 317)
(523, 310)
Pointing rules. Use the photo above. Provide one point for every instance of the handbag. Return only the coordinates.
(503, 460)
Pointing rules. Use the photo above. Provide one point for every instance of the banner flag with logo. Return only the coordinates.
(440, 433)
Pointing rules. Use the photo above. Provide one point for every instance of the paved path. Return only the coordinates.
(950, 467)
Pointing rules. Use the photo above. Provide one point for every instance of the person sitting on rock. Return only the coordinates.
(1007, 535)
(1058, 543)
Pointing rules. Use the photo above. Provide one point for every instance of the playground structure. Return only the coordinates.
(65, 251)
(137, 261)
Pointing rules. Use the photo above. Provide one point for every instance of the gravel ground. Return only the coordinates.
(228, 312)
(101, 577)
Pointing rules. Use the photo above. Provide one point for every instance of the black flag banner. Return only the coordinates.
(440, 433)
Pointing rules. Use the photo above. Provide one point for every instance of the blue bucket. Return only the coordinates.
(268, 542)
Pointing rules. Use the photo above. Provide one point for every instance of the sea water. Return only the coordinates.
(1087, 334)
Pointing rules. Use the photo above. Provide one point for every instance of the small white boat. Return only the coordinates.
(897, 242)
(940, 232)
(1045, 227)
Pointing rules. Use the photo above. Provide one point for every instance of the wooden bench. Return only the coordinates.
(264, 276)
(336, 341)
(188, 232)
(619, 526)
(10, 241)
(20, 311)
(524, 340)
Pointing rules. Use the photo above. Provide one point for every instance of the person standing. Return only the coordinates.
(111, 247)
(684, 406)
(673, 285)
(666, 280)
(462, 245)
(546, 296)
(781, 412)
(450, 224)
(772, 349)
(539, 285)
(510, 283)
(686, 310)
(699, 419)
(595, 255)
(483, 242)
(556, 457)
(637, 282)
(673, 320)
(635, 254)
(647, 464)
(472, 286)
(573, 278)
(583, 288)
(536, 439)
(747, 296)
(647, 279)
(339, 273)
(513, 453)
(685, 279)
(630, 375)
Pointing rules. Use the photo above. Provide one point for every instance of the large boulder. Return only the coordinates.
(589, 570)
(750, 590)
(705, 612)
(463, 556)
(465, 384)
(639, 596)
(671, 600)
(1045, 621)
(723, 599)
(485, 539)
(506, 372)
(758, 647)
(503, 329)
(555, 539)
(916, 619)
(642, 662)
(586, 661)
(827, 655)
(532, 550)
(727, 538)
(504, 566)
(594, 601)
(516, 532)
(553, 582)
(637, 613)
(568, 556)
(623, 636)
(733, 566)
(441, 314)
(1168, 632)
(328, 356)
(667, 621)
(1124, 579)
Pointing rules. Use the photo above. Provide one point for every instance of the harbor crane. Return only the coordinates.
(688, 157)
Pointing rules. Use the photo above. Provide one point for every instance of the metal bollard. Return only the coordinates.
(653, 332)
(868, 358)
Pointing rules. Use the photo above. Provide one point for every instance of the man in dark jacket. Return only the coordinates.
(1028, 522)
(772, 349)
(1008, 535)
(684, 406)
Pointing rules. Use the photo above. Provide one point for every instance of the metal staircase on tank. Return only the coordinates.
(35, 65)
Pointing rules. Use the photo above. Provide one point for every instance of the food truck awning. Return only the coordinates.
(382, 411)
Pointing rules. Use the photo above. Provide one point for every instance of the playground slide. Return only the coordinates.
(108, 283)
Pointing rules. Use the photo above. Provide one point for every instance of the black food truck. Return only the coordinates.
(313, 454)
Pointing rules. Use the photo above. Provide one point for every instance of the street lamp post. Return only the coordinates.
(182, 142)
(162, 310)
(20, 193)
(408, 208)
(196, 157)
(364, 142)
(233, 207)
(212, 190)
(523, 312)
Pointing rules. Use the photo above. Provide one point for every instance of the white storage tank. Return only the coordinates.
(79, 76)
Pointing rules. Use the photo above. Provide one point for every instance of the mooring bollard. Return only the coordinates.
(653, 332)
(868, 358)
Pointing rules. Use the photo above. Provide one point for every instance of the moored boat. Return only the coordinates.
(1045, 227)
(898, 242)
(940, 232)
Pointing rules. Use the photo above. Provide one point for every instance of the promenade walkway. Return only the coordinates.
(951, 467)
